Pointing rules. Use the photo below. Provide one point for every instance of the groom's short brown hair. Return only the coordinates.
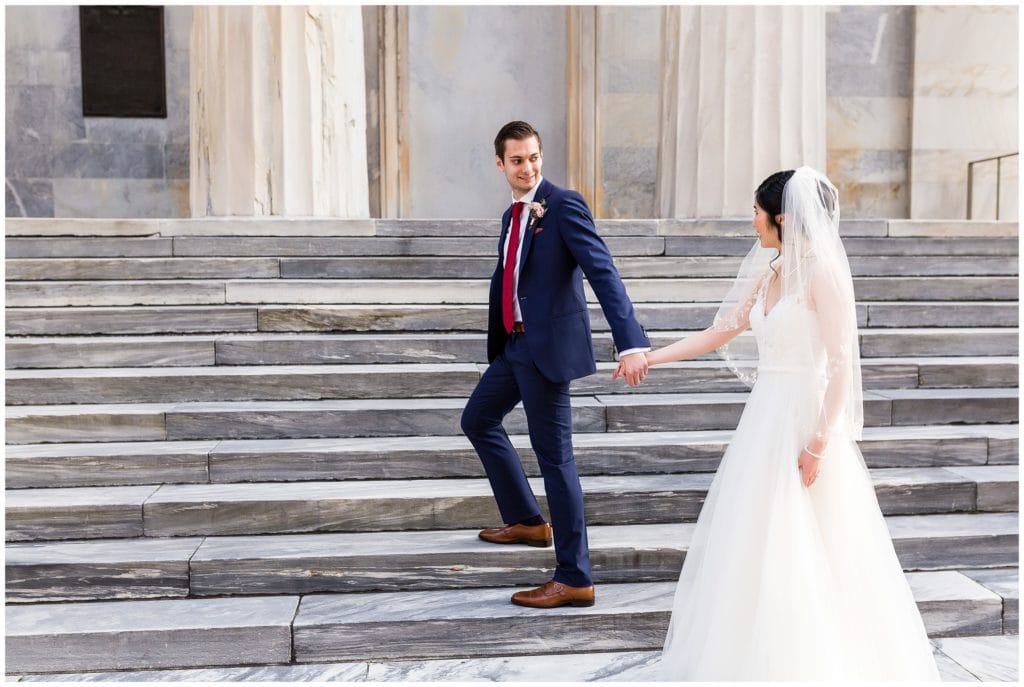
(520, 131)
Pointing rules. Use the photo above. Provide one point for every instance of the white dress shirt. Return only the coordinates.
(524, 218)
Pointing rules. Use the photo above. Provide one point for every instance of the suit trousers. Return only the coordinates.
(512, 377)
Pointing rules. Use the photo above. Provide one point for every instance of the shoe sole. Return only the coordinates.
(577, 604)
(540, 543)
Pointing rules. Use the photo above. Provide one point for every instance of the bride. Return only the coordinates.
(791, 574)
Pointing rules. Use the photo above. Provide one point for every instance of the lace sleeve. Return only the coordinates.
(834, 303)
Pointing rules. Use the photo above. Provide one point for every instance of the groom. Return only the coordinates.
(538, 340)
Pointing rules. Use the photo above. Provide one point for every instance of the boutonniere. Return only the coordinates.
(537, 211)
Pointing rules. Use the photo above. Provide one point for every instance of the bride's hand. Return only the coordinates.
(809, 466)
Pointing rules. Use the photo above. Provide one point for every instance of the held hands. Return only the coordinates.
(810, 466)
(632, 368)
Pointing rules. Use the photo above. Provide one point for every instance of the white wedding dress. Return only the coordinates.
(783, 582)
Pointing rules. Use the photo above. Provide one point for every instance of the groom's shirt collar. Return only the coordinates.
(528, 197)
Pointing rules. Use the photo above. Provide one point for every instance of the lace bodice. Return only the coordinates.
(788, 337)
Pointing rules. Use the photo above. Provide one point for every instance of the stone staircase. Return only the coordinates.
(236, 443)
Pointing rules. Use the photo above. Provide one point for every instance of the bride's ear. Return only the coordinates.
(778, 219)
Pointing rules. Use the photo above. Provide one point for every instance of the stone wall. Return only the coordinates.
(629, 50)
(869, 86)
(965, 105)
(61, 164)
(471, 69)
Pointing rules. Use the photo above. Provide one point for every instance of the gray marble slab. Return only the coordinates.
(181, 510)
(939, 266)
(938, 342)
(950, 670)
(659, 412)
(105, 570)
(295, 246)
(119, 293)
(76, 352)
(240, 383)
(377, 318)
(425, 267)
(1006, 583)
(965, 228)
(107, 464)
(924, 406)
(83, 247)
(156, 320)
(987, 539)
(630, 616)
(932, 245)
(998, 486)
(404, 561)
(923, 490)
(935, 288)
(87, 513)
(952, 604)
(337, 672)
(943, 314)
(679, 266)
(307, 419)
(119, 635)
(989, 372)
(1004, 451)
(616, 666)
(31, 424)
(120, 269)
(855, 246)
(313, 349)
(388, 458)
(995, 659)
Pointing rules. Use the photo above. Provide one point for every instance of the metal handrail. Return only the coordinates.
(999, 179)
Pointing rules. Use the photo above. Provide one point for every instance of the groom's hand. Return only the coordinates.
(632, 368)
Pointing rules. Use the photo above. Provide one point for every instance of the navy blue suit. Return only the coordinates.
(536, 367)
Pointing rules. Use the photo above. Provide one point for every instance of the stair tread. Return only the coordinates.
(372, 545)
(390, 490)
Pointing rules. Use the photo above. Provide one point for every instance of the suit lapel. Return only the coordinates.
(542, 193)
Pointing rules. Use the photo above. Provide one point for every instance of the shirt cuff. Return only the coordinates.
(633, 350)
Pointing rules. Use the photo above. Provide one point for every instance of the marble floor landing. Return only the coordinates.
(960, 659)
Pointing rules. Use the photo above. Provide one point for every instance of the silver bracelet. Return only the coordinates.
(809, 451)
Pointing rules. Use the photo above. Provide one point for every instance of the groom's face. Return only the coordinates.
(521, 164)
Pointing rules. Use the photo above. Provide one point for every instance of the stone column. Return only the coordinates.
(742, 96)
(278, 121)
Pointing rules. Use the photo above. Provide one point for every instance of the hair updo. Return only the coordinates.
(769, 195)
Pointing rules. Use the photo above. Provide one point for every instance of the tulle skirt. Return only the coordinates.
(783, 582)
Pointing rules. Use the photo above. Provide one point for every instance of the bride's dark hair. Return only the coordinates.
(769, 198)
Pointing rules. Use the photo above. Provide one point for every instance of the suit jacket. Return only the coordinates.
(558, 249)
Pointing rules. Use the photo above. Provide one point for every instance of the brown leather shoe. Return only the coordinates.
(531, 535)
(553, 594)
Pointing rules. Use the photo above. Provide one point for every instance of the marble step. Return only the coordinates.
(389, 505)
(411, 380)
(856, 247)
(69, 321)
(441, 416)
(627, 616)
(391, 625)
(436, 267)
(245, 230)
(182, 567)
(427, 347)
(987, 658)
(120, 269)
(318, 226)
(618, 453)
(34, 294)
(149, 634)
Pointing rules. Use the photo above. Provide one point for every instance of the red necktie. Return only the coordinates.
(508, 311)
